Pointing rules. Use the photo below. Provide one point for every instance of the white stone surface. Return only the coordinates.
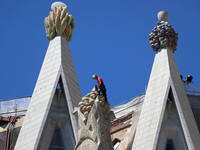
(163, 16)
(57, 64)
(164, 75)
(57, 4)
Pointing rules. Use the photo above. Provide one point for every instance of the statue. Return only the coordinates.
(94, 117)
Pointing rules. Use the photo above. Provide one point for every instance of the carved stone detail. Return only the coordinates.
(59, 23)
(163, 36)
(94, 129)
(87, 102)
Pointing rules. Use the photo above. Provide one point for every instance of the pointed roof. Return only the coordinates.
(166, 118)
(45, 107)
(164, 76)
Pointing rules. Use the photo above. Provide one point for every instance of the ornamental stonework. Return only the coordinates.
(94, 121)
(87, 102)
(163, 35)
(59, 23)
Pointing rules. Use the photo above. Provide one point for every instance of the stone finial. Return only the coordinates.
(59, 22)
(57, 4)
(163, 35)
(163, 16)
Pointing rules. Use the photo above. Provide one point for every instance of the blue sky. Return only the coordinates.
(110, 39)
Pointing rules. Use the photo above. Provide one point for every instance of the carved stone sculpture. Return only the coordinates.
(94, 118)
(163, 35)
(59, 23)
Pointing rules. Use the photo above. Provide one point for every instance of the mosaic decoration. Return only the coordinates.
(163, 36)
(59, 23)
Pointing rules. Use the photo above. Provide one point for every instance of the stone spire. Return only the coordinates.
(56, 93)
(94, 119)
(166, 117)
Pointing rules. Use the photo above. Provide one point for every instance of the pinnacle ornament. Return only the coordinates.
(59, 23)
(163, 35)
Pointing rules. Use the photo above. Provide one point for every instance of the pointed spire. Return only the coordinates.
(55, 95)
(166, 115)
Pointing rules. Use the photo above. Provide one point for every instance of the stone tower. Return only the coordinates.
(49, 120)
(166, 119)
